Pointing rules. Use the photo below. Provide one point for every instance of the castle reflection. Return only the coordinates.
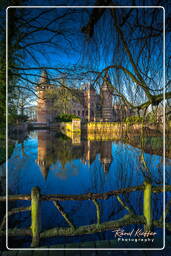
(58, 147)
(44, 151)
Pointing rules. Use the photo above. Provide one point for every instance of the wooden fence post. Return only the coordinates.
(148, 205)
(35, 216)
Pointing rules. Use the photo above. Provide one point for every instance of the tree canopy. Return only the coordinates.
(82, 44)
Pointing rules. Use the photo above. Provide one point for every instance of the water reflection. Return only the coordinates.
(44, 151)
(99, 165)
(60, 148)
(76, 166)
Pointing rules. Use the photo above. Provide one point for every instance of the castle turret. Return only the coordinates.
(106, 155)
(44, 150)
(44, 105)
(106, 99)
(91, 93)
(44, 80)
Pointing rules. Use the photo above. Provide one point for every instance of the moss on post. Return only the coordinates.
(97, 211)
(35, 216)
(148, 205)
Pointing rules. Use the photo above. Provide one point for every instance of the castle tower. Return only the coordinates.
(44, 150)
(90, 150)
(44, 105)
(106, 155)
(106, 99)
(91, 102)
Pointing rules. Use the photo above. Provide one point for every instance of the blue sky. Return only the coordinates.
(72, 47)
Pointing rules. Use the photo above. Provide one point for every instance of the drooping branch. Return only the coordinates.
(137, 76)
(154, 100)
(96, 14)
(143, 84)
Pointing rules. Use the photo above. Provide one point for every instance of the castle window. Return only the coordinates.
(83, 113)
(78, 112)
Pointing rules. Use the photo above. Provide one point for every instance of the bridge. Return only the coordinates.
(38, 125)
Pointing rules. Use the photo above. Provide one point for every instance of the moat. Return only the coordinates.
(60, 165)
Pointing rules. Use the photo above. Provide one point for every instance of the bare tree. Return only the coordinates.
(83, 44)
(132, 41)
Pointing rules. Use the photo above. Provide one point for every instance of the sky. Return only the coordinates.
(70, 47)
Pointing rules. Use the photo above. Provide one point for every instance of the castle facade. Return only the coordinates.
(86, 104)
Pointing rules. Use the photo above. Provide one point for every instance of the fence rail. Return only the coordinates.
(72, 230)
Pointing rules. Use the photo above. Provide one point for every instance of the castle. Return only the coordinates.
(86, 104)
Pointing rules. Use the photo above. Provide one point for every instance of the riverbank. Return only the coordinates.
(135, 134)
(109, 129)
(146, 136)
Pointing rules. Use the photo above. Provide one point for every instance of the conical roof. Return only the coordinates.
(105, 84)
(44, 171)
(106, 167)
(44, 77)
(88, 86)
(92, 87)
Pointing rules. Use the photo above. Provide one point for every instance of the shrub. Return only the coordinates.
(22, 118)
(134, 119)
(151, 117)
(65, 117)
(16, 118)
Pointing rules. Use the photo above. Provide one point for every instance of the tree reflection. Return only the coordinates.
(54, 148)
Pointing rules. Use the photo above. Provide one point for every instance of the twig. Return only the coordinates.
(125, 206)
(97, 211)
(66, 217)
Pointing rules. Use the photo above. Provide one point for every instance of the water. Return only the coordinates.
(59, 165)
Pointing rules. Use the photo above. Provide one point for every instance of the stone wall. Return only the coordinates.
(105, 127)
(64, 127)
(105, 130)
(117, 130)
